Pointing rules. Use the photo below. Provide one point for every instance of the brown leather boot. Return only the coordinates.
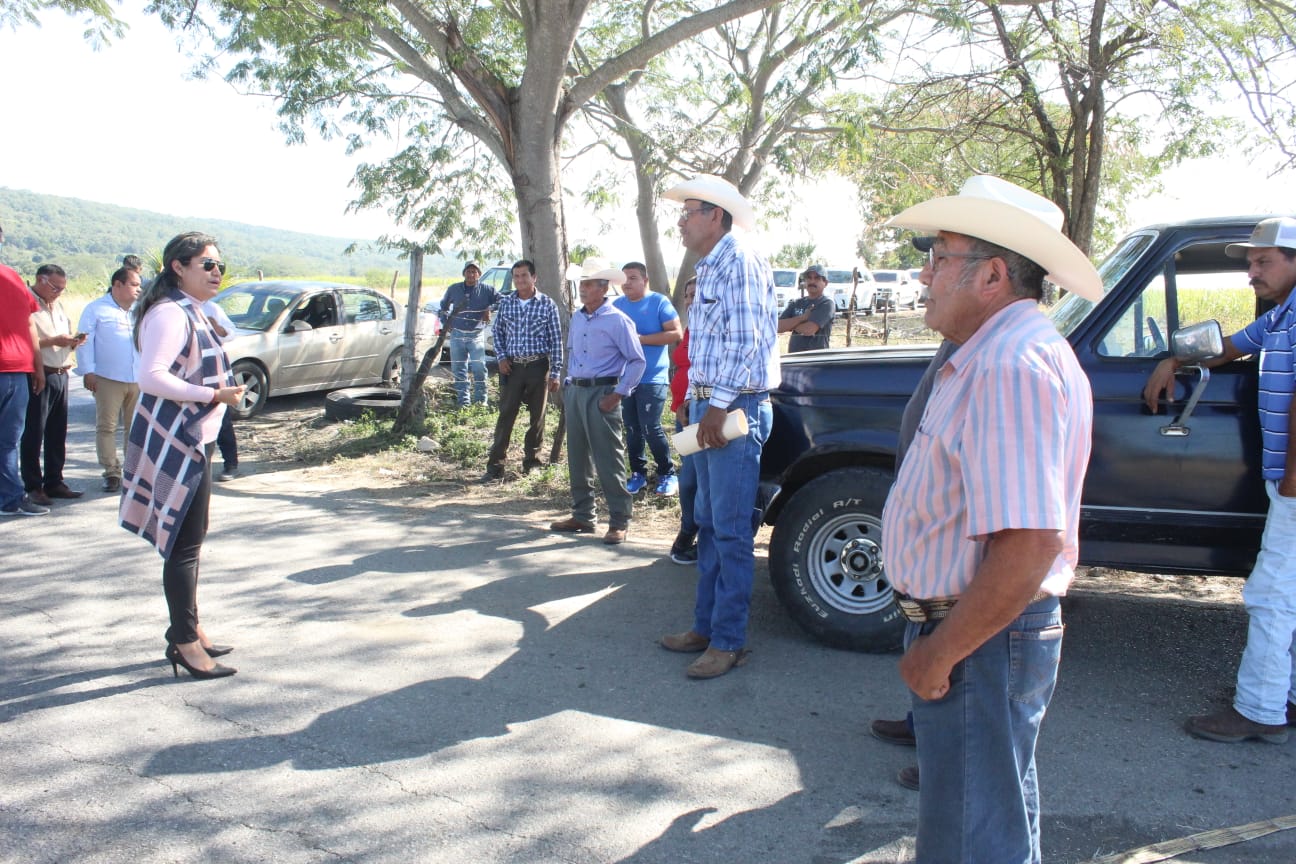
(1231, 727)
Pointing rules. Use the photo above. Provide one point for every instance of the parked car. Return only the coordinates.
(841, 283)
(922, 289)
(786, 286)
(295, 337)
(895, 290)
(1176, 492)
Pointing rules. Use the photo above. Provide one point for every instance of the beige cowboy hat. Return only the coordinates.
(990, 208)
(717, 191)
(600, 269)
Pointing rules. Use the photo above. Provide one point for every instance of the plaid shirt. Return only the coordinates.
(522, 329)
(734, 323)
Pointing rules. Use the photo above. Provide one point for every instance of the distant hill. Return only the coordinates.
(89, 239)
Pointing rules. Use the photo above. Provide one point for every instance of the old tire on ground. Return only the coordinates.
(352, 402)
(256, 388)
(826, 561)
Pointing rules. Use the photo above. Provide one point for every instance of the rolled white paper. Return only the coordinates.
(686, 442)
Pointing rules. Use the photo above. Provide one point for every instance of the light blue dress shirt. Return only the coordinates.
(109, 350)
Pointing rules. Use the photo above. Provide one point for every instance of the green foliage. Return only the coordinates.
(794, 255)
(101, 24)
(89, 239)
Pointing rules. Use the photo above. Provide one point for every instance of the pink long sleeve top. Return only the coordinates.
(162, 336)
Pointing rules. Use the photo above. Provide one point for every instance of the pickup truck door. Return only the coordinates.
(1163, 496)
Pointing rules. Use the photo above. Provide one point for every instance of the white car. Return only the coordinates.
(841, 282)
(786, 287)
(895, 289)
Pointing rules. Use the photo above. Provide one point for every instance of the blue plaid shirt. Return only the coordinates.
(733, 323)
(522, 329)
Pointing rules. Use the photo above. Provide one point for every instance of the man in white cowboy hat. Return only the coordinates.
(982, 525)
(733, 357)
(1264, 704)
(604, 365)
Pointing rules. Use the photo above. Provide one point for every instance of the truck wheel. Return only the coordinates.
(256, 388)
(826, 561)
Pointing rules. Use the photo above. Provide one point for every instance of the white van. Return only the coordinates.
(840, 284)
(786, 286)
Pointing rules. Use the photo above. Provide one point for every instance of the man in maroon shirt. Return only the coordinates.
(18, 360)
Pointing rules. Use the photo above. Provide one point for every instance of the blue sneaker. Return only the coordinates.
(668, 486)
(636, 483)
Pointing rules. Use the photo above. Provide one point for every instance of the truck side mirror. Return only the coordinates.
(1204, 341)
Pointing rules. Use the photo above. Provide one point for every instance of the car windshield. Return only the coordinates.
(884, 276)
(839, 276)
(255, 307)
(785, 278)
(1072, 309)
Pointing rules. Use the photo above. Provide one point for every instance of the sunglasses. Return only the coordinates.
(208, 264)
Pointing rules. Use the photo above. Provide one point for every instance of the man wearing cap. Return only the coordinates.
(47, 411)
(982, 525)
(22, 376)
(528, 343)
(106, 362)
(605, 363)
(810, 317)
(1264, 704)
(472, 302)
(733, 363)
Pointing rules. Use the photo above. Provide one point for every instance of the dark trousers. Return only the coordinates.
(180, 571)
(226, 441)
(47, 418)
(525, 385)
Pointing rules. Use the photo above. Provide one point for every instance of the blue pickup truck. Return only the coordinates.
(1174, 492)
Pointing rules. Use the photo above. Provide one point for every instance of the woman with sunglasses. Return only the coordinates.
(185, 389)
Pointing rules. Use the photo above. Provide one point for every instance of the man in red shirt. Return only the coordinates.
(18, 352)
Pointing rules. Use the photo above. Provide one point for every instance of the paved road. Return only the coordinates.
(438, 682)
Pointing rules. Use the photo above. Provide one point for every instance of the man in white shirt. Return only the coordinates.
(106, 362)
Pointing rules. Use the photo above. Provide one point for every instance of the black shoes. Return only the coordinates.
(177, 659)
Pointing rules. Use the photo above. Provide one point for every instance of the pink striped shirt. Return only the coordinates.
(1003, 444)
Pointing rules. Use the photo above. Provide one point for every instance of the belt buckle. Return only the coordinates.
(911, 609)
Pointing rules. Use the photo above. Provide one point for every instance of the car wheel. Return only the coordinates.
(256, 388)
(826, 561)
(352, 402)
(392, 371)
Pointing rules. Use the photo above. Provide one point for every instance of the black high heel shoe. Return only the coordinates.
(177, 659)
(218, 650)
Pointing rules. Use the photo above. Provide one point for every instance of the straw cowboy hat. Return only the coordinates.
(1007, 215)
(717, 191)
(600, 269)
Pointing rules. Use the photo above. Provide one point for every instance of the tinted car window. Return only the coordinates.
(318, 310)
(367, 306)
(885, 276)
(785, 278)
(500, 279)
(255, 308)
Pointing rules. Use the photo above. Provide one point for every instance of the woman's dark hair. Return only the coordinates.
(183, 248)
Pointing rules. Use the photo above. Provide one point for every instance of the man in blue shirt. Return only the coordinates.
(472, 302)
(107, 362)
(1264, 704)
(733, 364)
(604, 364)
(658, 326)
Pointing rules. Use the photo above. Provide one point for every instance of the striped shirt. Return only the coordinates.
(1003, 444)
(1272, 335)
(734, 322)
(522, 328)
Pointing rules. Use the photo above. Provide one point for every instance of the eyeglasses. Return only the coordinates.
(689, 211)
(208, 264)
(935, 259)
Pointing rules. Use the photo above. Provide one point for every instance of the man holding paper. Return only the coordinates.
(733, 357)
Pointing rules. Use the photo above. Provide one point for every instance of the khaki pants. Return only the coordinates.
(114, 407)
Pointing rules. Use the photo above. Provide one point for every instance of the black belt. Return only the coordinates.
(703, 391)
(605, 381)
(56, 370)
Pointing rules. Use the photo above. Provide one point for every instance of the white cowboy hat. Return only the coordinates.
(717, 191)
(600, 269)
(1007, 215)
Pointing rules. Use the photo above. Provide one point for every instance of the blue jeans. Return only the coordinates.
(1266, 680)
(979, 802)
(641, 412)
(15, 390)
(724, 510)
(468, 354)
(687, 492)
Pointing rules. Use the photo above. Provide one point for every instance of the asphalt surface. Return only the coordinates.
(428, 680)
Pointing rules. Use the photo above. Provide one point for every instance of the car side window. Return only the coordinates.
(318, 310)
(367, 306)
(1197, 284)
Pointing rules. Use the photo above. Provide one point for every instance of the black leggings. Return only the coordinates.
(180, 571)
